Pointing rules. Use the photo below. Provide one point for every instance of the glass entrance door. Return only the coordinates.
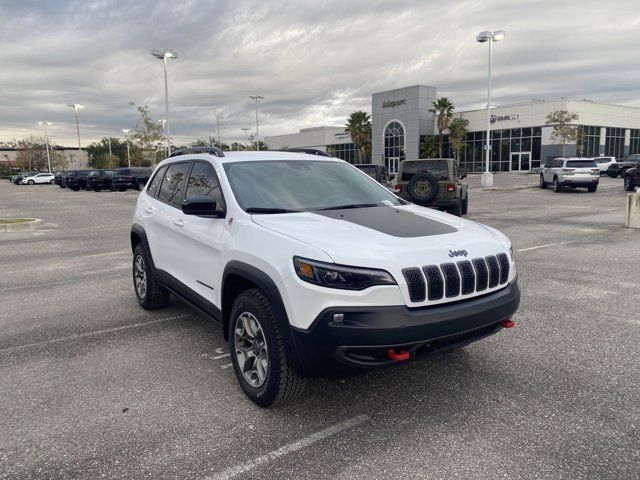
(392, 164)
(520, 161)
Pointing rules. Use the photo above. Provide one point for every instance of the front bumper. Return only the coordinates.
(364, 337)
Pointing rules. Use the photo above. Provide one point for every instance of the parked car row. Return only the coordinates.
(31, 178)
(120, 179)
(621, 168)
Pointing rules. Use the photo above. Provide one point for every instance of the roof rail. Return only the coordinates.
(310, 151)
(210, 150)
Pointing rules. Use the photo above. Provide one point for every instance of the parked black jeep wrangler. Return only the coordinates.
(378, 172)
(100, 180)
(76, 179)
(134, 177)
(433, 182)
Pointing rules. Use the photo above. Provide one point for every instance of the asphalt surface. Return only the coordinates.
(92, 386)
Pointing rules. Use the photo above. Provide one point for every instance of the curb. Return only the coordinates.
(14, 227)
(508, 189)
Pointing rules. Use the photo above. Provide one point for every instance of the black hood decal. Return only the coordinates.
(391, 220)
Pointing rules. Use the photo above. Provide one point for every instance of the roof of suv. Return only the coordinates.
(263, 155)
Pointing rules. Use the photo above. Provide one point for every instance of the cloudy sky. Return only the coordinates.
(313, 61)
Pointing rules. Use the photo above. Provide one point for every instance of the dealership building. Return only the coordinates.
(520, 138)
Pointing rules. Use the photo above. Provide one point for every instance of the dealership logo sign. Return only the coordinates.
(501, 118)
(393, 103)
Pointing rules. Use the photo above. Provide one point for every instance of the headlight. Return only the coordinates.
(338, 276)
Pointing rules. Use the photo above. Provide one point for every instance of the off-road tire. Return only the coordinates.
(542, 183)
(557, 186)
(629, 184)
(457, 209)
(282, 384)
(422, 199)
(156, 296)
(465, 205)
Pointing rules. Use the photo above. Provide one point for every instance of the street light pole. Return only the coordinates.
(165, 55)
(46, 142)
(245, 130)
(76, 107)
(486, 179)
(257, 98)
(164, 132)
(126, 137)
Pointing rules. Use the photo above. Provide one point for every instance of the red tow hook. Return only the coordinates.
(398, 356)
(507, 323)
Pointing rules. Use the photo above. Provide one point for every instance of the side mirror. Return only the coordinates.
(202, 207)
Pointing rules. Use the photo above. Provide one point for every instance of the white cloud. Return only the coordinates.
(314, 62)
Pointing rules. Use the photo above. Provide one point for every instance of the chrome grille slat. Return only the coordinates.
(494, 271)
(503, 261)
(416, 285)
(435, 282)
(482, 274)
(468, 277)
(451, 279)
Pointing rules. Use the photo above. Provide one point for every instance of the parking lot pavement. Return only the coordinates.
(92, 386)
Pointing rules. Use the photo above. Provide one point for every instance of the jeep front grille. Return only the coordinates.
(452, 280)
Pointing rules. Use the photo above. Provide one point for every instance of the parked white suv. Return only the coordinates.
(604, 163)
(570, 172)
(38, 178)
(312, 267)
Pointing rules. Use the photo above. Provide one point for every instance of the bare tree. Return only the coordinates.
(221, 117)
(563, 131)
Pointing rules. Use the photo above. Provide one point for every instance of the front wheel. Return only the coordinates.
(97, 189)
(149, 292)
(465, 205)
(257, 352)
(51, 182)
(542, 183)
(31, 182)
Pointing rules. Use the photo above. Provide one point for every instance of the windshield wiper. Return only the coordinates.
(269, 210)
(351, 205)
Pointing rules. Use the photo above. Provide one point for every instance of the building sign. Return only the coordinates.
(393, 103)
(341, 136)
(501, 118)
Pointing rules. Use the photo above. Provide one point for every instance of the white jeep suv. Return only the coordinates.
(313, 268)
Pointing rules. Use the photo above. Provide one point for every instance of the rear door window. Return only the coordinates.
(173, 183)
(439, 169)
(154, 186)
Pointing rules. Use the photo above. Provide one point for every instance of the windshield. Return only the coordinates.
(581, 163)
(284, 186)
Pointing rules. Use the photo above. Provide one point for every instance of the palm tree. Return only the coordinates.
(443, 110)
(429, 148)
(458, 135)
(359, 128)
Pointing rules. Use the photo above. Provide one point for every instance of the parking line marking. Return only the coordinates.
(89, 334)
(221, 356)
(290, 448)
(535, 248)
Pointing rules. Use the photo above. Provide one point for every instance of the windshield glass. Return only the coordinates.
(303, 185)
(581, 163)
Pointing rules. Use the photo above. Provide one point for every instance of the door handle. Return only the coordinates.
(178, 223)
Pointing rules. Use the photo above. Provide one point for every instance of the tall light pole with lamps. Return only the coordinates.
(165, 55)
(163, 121)
(46, 142)
(486, 179)
(126, 136)
(76, 107)
(257, 98)
(245, 130)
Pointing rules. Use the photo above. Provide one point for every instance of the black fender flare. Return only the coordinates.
(138, 231)
(268, 286)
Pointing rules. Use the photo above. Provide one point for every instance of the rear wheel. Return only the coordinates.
(97, 189)
(557, 186)
(457, 209)
(629, 184)
(139, 186)
(31, 182)
(149, 292)
(465, 205)
(542, 183)
(51, 182)
(258, 354)
(592, 188)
